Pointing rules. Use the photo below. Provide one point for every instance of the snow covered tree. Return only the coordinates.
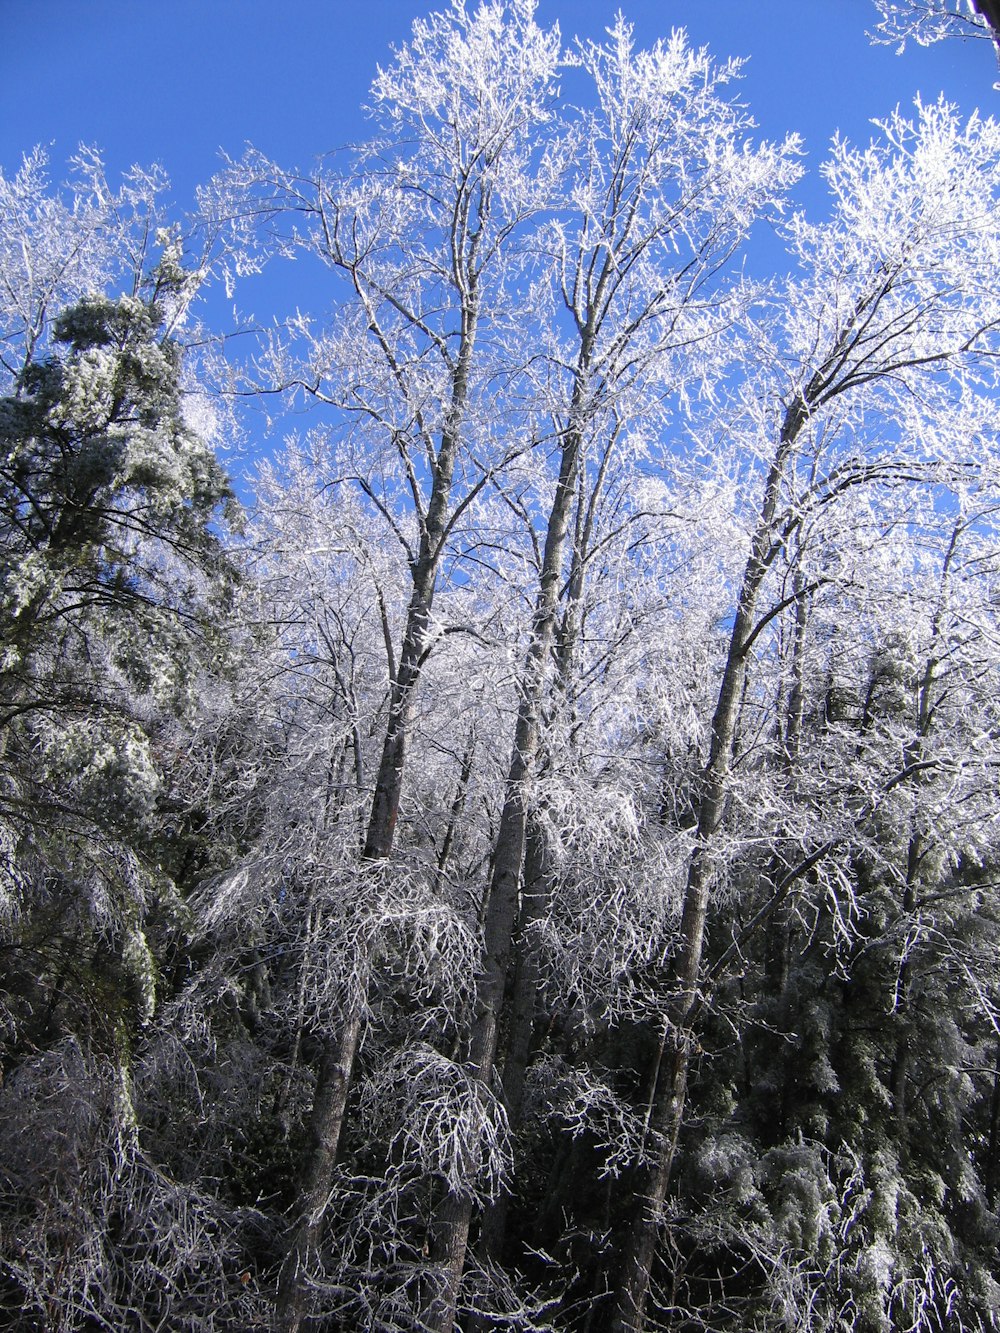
(554, 885)
(892, 324)
(524, 494)
(424, 229)
(665, 194)
(113, 582)
(928, 21)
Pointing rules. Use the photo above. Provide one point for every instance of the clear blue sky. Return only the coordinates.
(175, 80)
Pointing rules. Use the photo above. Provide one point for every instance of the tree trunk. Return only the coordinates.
(336, 1070)
(683, 981)
(453, 1217)
(402, 702)
(992, 1172)
(455, 813)
(452, 1223)
(523, 996)
(333, 1082)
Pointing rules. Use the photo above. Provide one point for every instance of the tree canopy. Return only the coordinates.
(534, 867)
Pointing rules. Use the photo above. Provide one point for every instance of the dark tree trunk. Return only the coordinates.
(453, 1218)
(521, 1006)
(333, 1082)
(683, 981)
(402, 702)
(993, 1149)
(336, 1069)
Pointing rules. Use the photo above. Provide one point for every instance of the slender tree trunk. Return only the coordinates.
(339, 1052)
(402, 703)
(451, 1224)
(790, 718)
(336, 1069)
(899, 1073)
(333, 1082)
(455, 813)
(415, 645)
(452, 1220)
(915, 751)
(523, 998)
(684, 980)
(993, 1163)
(537, 886)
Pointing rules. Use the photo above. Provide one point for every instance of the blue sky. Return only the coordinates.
(176, 80)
